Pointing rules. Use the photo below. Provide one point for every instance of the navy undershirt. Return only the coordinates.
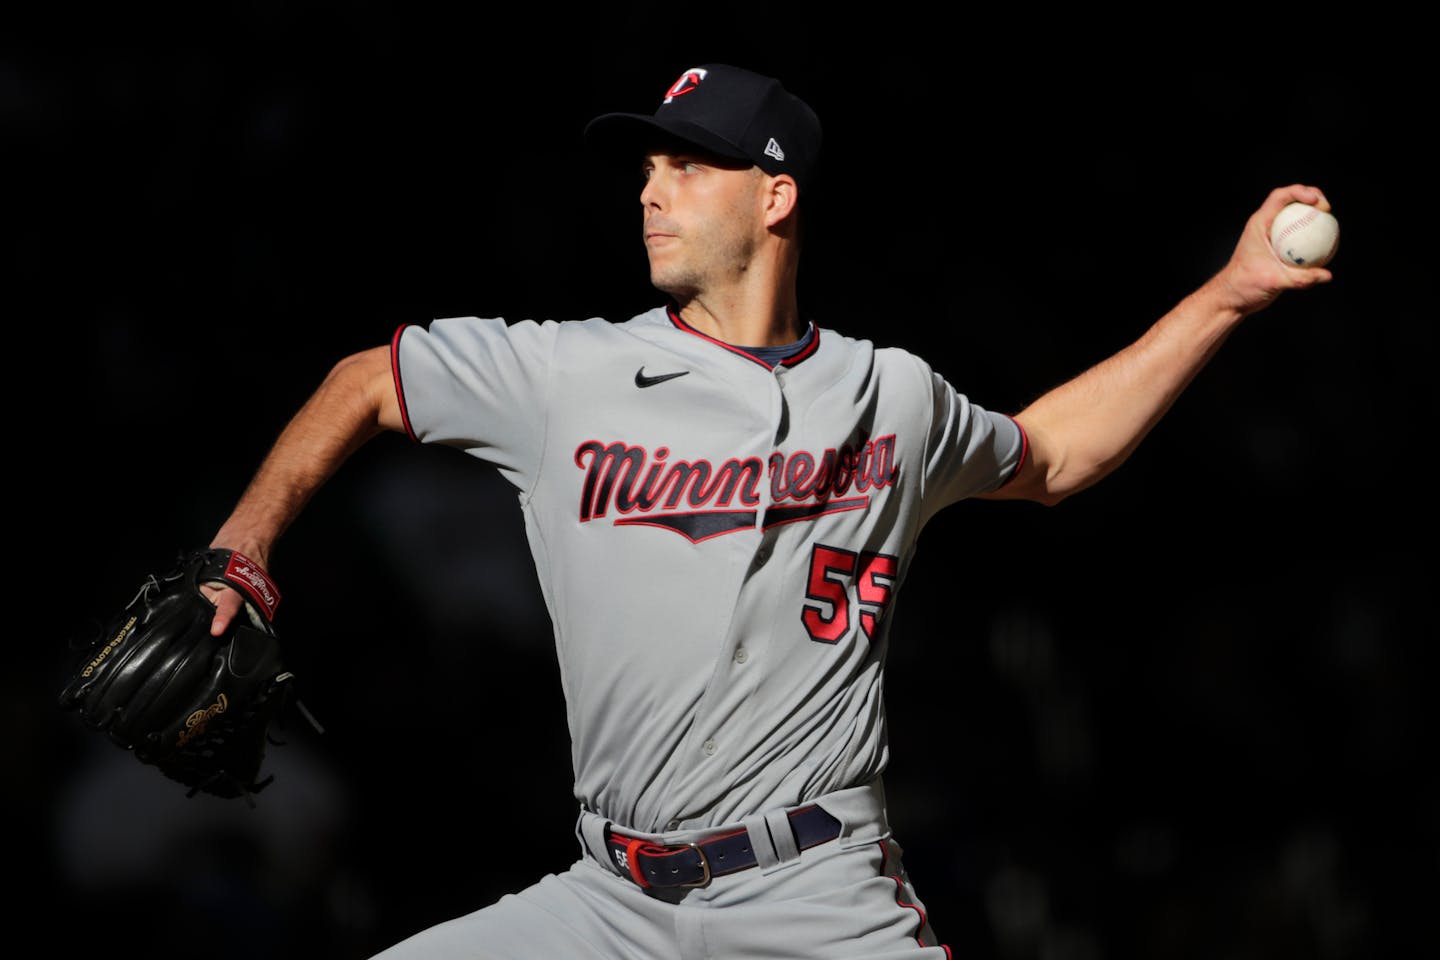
(770, 356)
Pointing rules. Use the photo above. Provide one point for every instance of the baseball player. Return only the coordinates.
(722, 498)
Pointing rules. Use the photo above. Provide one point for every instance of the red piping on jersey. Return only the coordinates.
(899, 889)
(399, 388)
(810, 348)
(1024, 452)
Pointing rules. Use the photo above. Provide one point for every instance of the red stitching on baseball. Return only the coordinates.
(1307, 218)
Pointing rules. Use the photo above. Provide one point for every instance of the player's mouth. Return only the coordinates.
(660, 232)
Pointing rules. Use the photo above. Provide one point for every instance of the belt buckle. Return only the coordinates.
(704, 881)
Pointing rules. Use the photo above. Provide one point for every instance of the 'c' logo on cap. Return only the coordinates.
(688, 81)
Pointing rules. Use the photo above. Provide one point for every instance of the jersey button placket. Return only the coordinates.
(765, 549)
(781, 413)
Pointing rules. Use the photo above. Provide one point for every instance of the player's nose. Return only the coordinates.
(652, 194)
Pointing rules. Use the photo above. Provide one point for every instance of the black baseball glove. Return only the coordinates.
(199, 708)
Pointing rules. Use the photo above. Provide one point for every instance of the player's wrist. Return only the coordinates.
(1225, 299)
(252, 548)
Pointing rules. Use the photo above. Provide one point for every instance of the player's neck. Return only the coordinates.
(747, 314)
(741, 327)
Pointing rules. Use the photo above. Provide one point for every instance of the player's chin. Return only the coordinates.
(679, 285)
(663, 256)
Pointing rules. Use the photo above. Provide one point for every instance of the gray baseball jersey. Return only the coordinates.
(720, 543)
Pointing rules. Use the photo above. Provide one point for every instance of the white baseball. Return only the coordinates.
(1305, 236)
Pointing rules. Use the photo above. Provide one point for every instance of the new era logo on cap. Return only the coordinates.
(725, 110)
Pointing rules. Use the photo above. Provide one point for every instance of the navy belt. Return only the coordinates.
(652, 864)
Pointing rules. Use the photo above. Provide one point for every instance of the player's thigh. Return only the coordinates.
(582, 913)
(853, 903)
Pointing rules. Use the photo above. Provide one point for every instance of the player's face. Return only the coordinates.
(702, 220)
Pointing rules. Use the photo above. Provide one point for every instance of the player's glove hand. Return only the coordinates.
(198, 707)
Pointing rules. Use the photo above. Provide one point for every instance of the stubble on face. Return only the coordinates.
(707, 244)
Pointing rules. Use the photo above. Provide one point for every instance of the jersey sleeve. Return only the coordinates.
(479, 384)
(969, 450)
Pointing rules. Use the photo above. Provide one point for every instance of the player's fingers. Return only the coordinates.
(1303, 192)
(227, 606)
(1310, 276)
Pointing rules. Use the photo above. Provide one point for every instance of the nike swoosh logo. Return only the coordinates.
(643, 381)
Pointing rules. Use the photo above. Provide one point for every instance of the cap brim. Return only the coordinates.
(627, 135)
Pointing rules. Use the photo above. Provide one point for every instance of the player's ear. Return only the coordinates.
(782, 196)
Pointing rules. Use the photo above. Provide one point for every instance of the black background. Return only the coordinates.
(1180, 715)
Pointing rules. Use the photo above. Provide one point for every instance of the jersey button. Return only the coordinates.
(741, 656)
(710, 747)
(762, 555)
(673, 825)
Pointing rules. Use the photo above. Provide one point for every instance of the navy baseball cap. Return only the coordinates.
(725, 110)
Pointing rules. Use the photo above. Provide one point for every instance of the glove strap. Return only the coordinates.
(245, 575)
